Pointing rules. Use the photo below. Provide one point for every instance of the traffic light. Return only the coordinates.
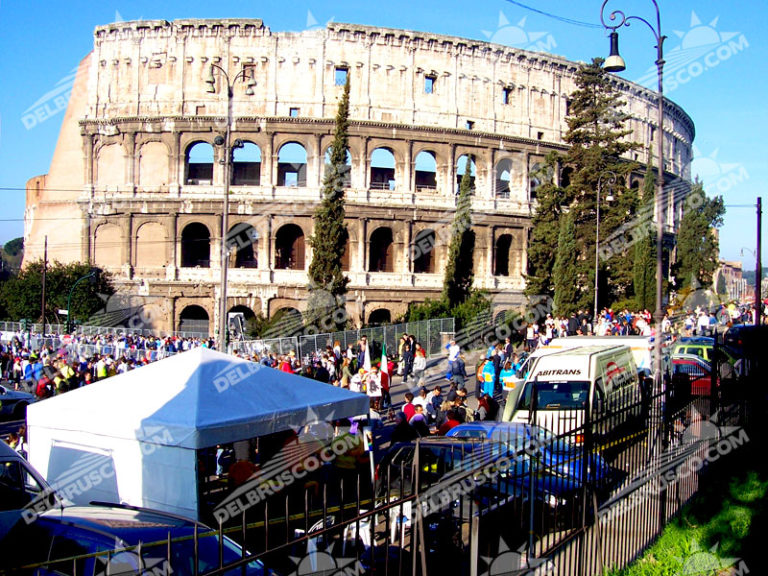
(95, 276)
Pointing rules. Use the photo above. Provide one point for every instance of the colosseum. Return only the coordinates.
(136, 184)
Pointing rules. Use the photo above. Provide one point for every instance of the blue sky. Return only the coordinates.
(715, 54)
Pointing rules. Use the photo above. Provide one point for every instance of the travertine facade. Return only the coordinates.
(137, 178)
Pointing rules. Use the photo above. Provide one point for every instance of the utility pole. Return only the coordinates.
(45, 270)
(758, 264)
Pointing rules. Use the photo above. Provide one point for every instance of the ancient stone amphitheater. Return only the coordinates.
(136, 184)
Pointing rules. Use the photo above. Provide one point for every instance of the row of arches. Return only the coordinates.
(195, 318)
(292, 166)
(289, 249)
(248, 168)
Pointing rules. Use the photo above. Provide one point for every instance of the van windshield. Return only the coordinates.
(565, 395)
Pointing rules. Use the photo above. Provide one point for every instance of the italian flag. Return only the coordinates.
(384, 368)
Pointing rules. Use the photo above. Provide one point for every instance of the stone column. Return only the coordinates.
(318, 164)
(362, 244)
(176, 172)
(407, 241)
(129, 144)
(268, 164)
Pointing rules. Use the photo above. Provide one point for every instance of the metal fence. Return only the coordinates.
(429, 333)
(37, 330)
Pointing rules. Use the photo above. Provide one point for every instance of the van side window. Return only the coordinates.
(17, 487)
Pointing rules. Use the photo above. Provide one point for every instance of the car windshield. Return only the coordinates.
(565, 395)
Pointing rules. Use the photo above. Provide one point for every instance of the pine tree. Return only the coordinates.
(459, 273)
(565, 269)
(326, 302)
(644, 273)
(698, 247)
(545, 228)
(597, 135)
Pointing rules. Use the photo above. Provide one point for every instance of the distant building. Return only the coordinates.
(136, 182)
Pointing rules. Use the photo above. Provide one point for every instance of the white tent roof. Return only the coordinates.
(195, 400)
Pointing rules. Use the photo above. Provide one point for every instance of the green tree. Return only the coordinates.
(459, 273)
(22, 294)
(597, 135)
(545, 227)
(644, 272)
(326, 304)
(565, 268)
(698, 248)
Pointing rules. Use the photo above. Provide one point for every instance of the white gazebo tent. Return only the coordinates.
(133, 438)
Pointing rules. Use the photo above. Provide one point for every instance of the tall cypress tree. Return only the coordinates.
(644, 273)
(698, 246)
(597, 134)
(459, 271)
(545, 228)
(566, 269)
(327, 282)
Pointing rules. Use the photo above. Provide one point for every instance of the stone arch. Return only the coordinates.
(379, 316)
(383, 172)
(426, 170)
(198, 163)
(243, 244)
(246, 165)
(194, 318)
(424, 252)
(110, 165)
(195, 246)
(347, 174)
(289, 248)
(107, 246)
(501, 255)
(151, 246)
(153, 164)
(381, 255)
(461, 166)
(292, 165)
(503, 177)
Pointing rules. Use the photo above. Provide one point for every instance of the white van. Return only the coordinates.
(564, 381)
(643, 349)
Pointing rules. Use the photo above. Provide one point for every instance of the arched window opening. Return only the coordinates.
(382, 251)
(503, 177)
(426, 170)
(194, 319)
(461, 167)
(423, 252)
(198, 164)
(289, 248)
(246, 165)
(382, 169)
(243, 242)
(565, 177)
(292, 165)
(537, 177)
(345, 258)
(195, 246)
(501, 261)
(346, 171)
(379, 316)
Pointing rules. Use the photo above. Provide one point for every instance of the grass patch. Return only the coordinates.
(711, 534)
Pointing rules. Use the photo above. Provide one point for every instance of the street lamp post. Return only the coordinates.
(611, 181)
(227, 161)
(615, 63)
(92, 275)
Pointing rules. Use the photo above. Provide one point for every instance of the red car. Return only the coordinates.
(697, 370)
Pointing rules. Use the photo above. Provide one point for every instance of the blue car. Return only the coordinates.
(556, 455)
(13, 403)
